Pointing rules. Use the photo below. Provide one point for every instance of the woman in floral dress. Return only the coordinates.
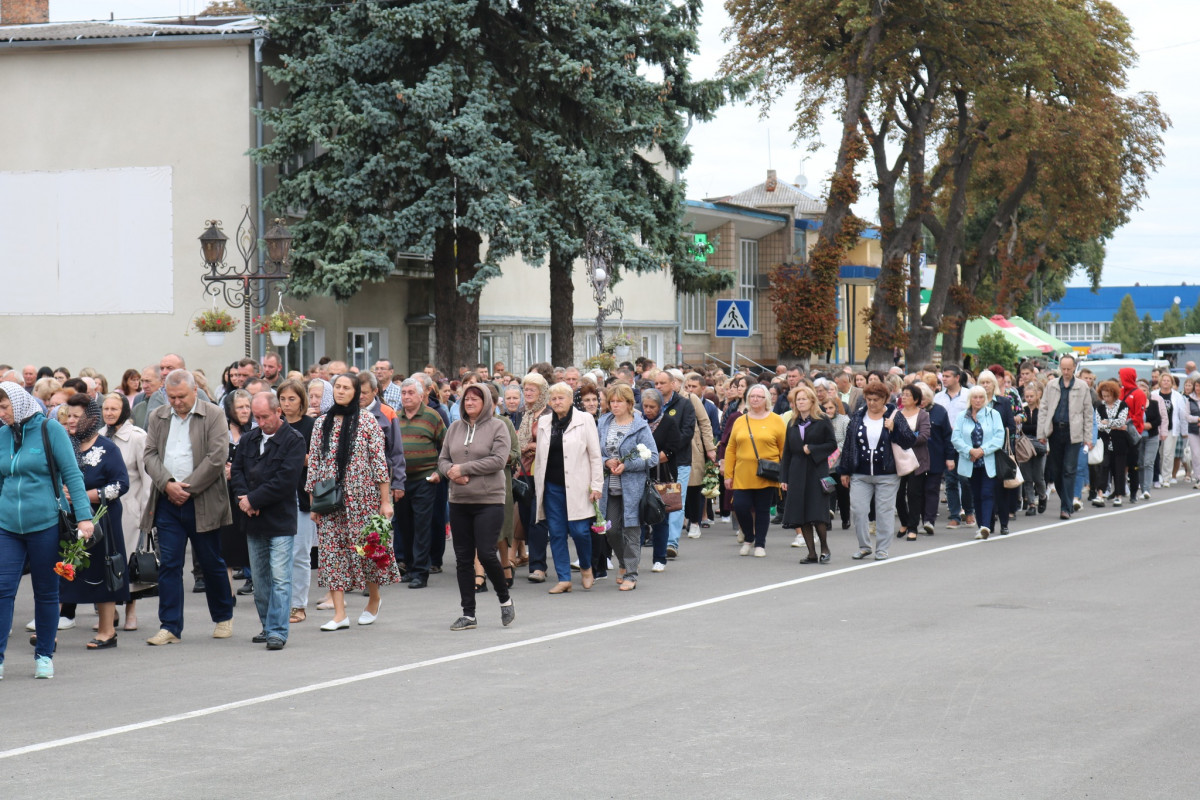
(348, 445)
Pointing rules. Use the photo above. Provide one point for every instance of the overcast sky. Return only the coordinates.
(734, 151)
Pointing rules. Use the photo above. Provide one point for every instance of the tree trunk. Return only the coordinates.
(457, 317)
(562, 308)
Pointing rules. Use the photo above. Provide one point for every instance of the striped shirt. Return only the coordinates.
(422, 435)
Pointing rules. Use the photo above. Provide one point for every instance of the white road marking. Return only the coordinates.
(380, 673)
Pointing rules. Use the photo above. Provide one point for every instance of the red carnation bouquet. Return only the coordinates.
(74, 553)
(375, 542)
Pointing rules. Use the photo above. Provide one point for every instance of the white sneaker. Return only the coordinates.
(1145, 495)
(1117, 501)
(798, 541)
(65, 624)
(32, 626)
(1077, 504)
(610, 566)
(741, 537)
(760, 552)
(1174, 481)
(694, 532)
(1158, 484)
(745, 551)
(725, 520)
(658, 567)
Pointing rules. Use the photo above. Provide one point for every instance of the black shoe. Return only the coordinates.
(1064, 515)
(1004, 531)
(1031, 512)
(259, 638)
(246, 588)
(407, 576)
(275, 643)
(777, 519)
(418, 582)
(239, 574)
(1042, 505)
(200, 587)
(435, 570)
(845, 524)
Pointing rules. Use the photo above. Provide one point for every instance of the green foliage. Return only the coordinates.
(529, 124)
(1149, 334)
(1191, 322)
(603, 360)
(1126, 328)
(1172, 323)
(996, 348)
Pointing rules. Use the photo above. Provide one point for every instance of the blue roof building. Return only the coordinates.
(1084, 316)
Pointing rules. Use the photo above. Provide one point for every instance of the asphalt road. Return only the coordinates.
(1058, 662)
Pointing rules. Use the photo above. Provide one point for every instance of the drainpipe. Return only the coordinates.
(679, 296)
(258, 168)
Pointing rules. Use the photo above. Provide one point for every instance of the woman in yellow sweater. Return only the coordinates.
(758, 435)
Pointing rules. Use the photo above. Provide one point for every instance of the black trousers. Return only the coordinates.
(475, 529)
(910, 501)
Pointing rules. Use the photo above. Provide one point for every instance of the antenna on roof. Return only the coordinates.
(801, 180)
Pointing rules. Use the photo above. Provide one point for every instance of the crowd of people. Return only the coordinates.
(363, 476)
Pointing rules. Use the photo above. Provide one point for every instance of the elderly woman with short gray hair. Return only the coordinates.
(568, 474)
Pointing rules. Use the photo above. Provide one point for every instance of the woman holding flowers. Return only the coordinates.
(105, 479)
(629, 450)
(29, 515)
(809, 443)
(347, 446)
(475, 453)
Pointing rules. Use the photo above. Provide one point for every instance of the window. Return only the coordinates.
(302, 354)
(748, 279)
(695, 313)
(365, 346)
(590, 346)
(1082, 331)
(652, 344)
(800, 246)
(537, 348)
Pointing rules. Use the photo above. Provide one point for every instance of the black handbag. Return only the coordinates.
(143, 564)
(114, 568)
(767, 470)
(651, 509)
(1006, 467)
(326, 497)
(522, 492)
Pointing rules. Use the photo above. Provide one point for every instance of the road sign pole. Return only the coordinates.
(732, 357)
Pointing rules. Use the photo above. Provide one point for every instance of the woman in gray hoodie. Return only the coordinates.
(474, 455)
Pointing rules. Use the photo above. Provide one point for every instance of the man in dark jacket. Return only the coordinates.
(265, 473)
(675, 405)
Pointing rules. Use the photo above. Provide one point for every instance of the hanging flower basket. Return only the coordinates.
(214, 338)
(214, 321)
(284, 322)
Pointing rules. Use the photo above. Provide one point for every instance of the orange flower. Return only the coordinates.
(65, 570)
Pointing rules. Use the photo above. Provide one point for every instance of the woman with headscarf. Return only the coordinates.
(320, 397)
(348, 446)
(233, 537)
(474, 459)
(131, 441)
(29, 515)
(537, 395)
(105, 479)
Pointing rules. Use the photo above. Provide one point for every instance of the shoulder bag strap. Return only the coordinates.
(54, 480)
(751, 432)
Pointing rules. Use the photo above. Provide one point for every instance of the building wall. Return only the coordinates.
(94, 107)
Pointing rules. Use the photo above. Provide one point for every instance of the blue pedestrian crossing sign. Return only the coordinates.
(733, 319)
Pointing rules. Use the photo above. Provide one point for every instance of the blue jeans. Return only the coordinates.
(659, 535)
(675, 520)
(984, 490)
(41, 547)
(302, 542)
(958, 487)
(554, 505)
(271, 560)
(176, 527)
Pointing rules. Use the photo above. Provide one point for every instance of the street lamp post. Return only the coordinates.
(599, 258)
(245, 286)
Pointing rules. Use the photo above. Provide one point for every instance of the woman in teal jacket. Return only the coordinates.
(29, 515)
(978, 435)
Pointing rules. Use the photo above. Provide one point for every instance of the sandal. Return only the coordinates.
(811, 558)
(102, 644)
(627, 586)
(522, 561)
(480, 584)
(912, 536)
(298, 615)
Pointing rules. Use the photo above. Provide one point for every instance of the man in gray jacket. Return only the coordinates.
(1065, 424)
(187, 442)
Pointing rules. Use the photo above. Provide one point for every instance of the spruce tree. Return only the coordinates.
(1126, 329)
(1172, 323)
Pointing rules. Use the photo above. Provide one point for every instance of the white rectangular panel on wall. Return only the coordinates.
(87, 241)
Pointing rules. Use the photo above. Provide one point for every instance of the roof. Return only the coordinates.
(785, 194)
(753, 223)
(1083, 305)
(72, 32)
